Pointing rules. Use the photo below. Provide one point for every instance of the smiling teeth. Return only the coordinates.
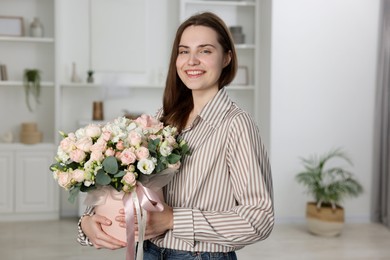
(194, 72)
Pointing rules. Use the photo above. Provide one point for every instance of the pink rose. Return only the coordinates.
(67, 144)
(93, 131)
(130, 179)
(77, 155)
(142, 153)
(128, 157)
(149, 123)
(97, 156)
(100, 145)
(78, 175)
(109, 152)
(134, 138)
(64, 179)
(106, 135)
(84, 144)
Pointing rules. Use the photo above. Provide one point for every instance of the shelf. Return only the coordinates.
(26, 39)
(25, 147)
(20, 83)
(222, 3)
(95, 85)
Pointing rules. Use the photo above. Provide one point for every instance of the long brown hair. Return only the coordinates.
(177, 100)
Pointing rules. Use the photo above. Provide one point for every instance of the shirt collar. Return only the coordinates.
(215, 110)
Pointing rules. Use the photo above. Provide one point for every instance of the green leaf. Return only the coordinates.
(87, 189)
(73, 194)
(329, 184)
(120, 174)
(160, 166)
(152, 146)
(185, 149)
(73, 165)
(110, 165)
(102, 178)
(55, 166)
(173, 158)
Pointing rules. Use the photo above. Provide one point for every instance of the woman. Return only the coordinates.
(221, 199)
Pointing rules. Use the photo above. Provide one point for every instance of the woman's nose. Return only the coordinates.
(193, 59)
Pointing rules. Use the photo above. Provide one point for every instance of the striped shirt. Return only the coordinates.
(222, 197)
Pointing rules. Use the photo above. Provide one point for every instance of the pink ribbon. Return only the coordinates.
(142, 199)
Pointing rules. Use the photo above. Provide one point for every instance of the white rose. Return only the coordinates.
(80, 133)
(165, 149)
(63, 156)
(93, 131)
(146, 166)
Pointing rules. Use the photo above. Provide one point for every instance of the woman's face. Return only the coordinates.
(200, 58)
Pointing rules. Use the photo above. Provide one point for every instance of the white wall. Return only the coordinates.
(322, 93)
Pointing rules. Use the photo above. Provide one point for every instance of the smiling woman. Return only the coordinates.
(222, 197)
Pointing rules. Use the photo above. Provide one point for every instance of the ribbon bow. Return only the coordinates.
(143, 200)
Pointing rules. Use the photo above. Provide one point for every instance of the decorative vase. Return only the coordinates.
(324, 221)
(97, 113)
(110, 209)
(75, 77)
(36, 28)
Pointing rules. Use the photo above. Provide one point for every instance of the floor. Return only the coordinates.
(56, 240)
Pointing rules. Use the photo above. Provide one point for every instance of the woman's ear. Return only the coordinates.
(227, 59)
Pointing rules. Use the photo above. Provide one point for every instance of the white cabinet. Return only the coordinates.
(6, 181)
(28, 189)
(242, 15)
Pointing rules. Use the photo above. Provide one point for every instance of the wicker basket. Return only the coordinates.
(29, 133)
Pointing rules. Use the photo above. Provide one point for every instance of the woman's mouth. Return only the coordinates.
(194, 73)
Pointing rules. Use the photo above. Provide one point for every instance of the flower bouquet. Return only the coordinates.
(126, 160)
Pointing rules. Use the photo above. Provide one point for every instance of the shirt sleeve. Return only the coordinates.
(252, 219)
(82, 239)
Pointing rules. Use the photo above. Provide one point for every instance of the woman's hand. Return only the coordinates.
(92, 228)
(157, 223)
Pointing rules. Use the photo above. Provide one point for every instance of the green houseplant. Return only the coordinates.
(32, 85)
(329, 184)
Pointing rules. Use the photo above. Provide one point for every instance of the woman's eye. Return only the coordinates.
(205, 51)
(183, 51)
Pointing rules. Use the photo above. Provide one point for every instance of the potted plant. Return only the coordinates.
(329, 184)
(32, 85)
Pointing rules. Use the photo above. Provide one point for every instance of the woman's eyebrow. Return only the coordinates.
(200, 46)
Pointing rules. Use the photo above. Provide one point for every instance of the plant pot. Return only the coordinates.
(324, 221)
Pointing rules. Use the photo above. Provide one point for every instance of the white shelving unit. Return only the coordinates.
(236, 13)
(28, 191)
(22, 52)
